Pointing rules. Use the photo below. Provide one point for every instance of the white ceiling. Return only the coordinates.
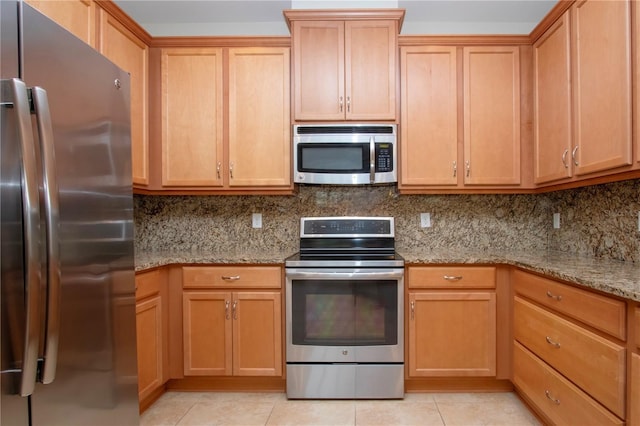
(264, 17)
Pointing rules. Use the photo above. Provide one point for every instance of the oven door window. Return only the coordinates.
(333, 157)
(344, 312)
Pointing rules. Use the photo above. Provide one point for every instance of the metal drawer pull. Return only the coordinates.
(452, 277)
(553, 296)
(231, 278)
(226, 309)
(555, 401)
(552, 343)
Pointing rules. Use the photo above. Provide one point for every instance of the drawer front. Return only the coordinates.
(147, 284)
(555, 396)
(601, 312)
(452, 277)
(231, 276)
(590, 361)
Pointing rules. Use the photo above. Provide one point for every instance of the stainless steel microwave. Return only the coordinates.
(345, 154)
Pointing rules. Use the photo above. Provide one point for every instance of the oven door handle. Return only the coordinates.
(350, 274)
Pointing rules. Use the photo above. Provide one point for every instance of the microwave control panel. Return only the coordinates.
(384, 157)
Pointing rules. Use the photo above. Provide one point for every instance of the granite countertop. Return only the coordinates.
(612, 277)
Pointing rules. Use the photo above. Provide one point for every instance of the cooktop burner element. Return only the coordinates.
(346, 242)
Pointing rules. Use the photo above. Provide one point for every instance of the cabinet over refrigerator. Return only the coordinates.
(67, 293)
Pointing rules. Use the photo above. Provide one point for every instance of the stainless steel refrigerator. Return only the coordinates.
(67, 300)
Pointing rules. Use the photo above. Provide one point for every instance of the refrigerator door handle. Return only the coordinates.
(31, 226)
(52, 221)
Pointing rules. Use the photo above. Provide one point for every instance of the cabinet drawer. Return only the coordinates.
(147, 284)
(231, 276)
(554, 395)
(452, 277)
(590, 361)
(601, 312)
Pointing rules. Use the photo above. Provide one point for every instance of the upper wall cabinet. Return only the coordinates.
(344, 64)
(131, 54)
(552, 104)
(76, 16)
(601, 52)
(491, 115)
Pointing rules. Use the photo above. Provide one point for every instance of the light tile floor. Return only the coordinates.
(214, 408)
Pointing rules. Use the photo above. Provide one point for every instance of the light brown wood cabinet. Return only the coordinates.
(429, 118)
(579, 370)
(76, 16)
(452, 321)
(491, 115)
(553, 142)
(130, 53)
(150, 333)
(228, 331)
(448, 92)
(344, 69)
(196, 151)
(601, 52)
(634, 395)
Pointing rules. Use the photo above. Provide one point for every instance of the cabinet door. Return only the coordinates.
(318, 67)
(370, 70)
(149, 338)
(491, 115)
(257, 334)
(634, 418)
(76, 16)
(207, 333)
(429, 120)
(452, 334)
(552, 103)
(192, 96)
(259, 117)
(128, 52)
(601, 84)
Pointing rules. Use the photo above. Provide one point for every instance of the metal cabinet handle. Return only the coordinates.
(552, 343)
(573, 155)
(555, 400)
(468, 168)
(341, 103)
(218, 167)
(455, 169)
(226, 309)
(52, 223)
(564, 158)
(452, 277)
(554, 296)
(231, 170)
(234, 309)
(413, 309)
(348, 103)
(31, 226)
(231, 277)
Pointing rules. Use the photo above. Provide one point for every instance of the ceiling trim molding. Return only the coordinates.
(221, 41)
(464, 40)
(549, 19)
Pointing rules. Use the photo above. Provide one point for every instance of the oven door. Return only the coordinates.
(344, 315)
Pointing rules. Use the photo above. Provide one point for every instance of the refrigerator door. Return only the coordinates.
(14, 409)
(95, 379)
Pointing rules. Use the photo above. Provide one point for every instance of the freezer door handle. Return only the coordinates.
(52, 221)
(31, 225)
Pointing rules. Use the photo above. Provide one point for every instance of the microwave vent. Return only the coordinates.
(314, 130)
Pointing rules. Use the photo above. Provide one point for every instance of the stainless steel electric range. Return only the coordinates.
(344, 310)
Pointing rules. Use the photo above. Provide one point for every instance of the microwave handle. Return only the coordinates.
(372, 160)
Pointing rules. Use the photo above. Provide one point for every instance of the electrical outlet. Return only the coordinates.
(425, 220)
(556, 221)
(256, 220)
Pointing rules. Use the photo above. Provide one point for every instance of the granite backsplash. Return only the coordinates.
(600, 220)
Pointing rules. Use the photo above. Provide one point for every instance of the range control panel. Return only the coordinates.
(346, 226)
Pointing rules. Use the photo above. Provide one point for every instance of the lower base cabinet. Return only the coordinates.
(232, 332)
(634, 416)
